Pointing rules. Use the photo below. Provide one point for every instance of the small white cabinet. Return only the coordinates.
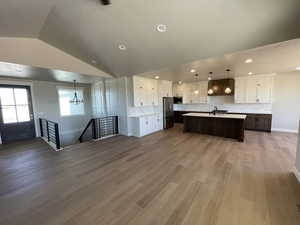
(146, 124)
(254, 89)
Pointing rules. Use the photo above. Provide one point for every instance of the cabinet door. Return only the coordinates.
(240, 90)
(264, 89)
(251, 90)
(203, 91)
(167, 87)
(187, 96)
(195, 92)
(250, 122)
(139, 91)
(178, 90)
(154, 93)
(144, 126)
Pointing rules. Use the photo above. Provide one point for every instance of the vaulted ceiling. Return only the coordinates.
(196, 29)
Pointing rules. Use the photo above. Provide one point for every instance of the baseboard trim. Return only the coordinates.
(297, 174)
(284, 130)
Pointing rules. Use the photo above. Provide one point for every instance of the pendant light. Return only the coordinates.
(76, 100)
(196, 92)
(210, 91)
(228, 89)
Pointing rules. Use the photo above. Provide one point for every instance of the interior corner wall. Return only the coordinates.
(117, 102)
(286, 106)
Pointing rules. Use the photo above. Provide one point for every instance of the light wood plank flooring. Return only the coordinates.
(166, 178)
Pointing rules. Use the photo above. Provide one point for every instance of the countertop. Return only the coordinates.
(226, 116)
(143, 115)
(229, 112)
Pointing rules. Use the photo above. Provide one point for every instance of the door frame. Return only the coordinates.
(24, 83)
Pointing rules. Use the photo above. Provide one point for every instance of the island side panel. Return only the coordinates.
(222, 127)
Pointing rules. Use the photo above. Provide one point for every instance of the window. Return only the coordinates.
(65, 96)
(14, 105)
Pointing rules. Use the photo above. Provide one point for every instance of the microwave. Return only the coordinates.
(177, 100)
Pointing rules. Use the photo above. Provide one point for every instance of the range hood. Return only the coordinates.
(223, 87)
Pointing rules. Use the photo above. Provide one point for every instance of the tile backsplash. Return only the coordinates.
(225, 103)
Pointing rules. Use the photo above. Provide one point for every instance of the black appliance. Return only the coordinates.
(168, 112)
(177, 100)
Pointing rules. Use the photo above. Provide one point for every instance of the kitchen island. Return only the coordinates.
(222, 125)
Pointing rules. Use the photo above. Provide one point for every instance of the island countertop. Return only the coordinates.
(225, 116)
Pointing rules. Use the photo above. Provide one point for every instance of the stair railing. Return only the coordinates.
(102, 127)
(50, 133)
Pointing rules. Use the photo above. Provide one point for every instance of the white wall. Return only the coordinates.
(297, 164)
(28, 51)
(110, 98)
(46, 105)
(286, 107)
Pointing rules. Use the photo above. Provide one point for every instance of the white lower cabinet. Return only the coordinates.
(144, 125)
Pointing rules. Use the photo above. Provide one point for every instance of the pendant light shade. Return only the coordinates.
(228, 89)
(76, 100)
(210, 91)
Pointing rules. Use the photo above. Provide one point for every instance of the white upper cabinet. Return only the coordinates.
(195, 93)
(165, 88)
(178, 90)
(139, 91)
(147, 92)
(240, 90)
(254, 89)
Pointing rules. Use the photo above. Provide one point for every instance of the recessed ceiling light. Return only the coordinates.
(161, 28)
(250, 73)
(180, 82)
(298, 68)
(122, 47)
(192, 70)
(156, 77)
(248, 60)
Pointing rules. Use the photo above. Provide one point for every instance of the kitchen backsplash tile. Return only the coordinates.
(239, 108)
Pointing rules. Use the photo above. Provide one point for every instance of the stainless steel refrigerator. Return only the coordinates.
(168, 112)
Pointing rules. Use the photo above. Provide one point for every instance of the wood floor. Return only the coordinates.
(166, 178)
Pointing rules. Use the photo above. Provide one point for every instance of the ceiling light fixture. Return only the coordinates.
(156, 77)
(180, 82)
(248, 60)
(298, 68)
(192, 70)
(122, 47)
(76, 100)
(161, 28)
(250, 73)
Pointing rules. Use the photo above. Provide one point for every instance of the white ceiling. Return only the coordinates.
(275, 58)
(197, 29)
(12, 70)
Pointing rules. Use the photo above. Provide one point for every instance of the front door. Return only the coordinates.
(16, 115)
